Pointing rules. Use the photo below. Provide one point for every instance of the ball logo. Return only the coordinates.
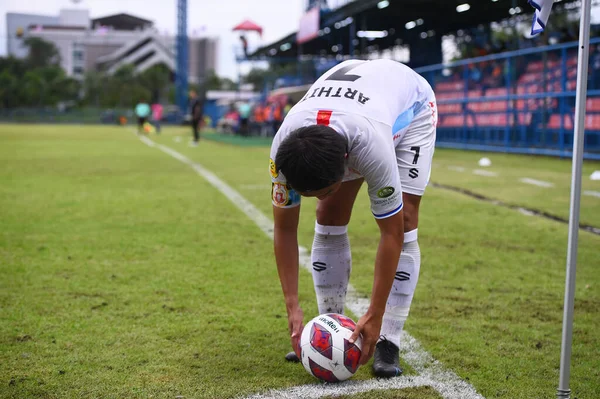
(273, 169)
(330, 323)
(385, 192)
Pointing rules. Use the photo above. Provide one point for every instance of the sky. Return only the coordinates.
(213, 18)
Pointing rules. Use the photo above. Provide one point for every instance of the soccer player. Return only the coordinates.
(142, 111)
(372, 121)
(197, 112)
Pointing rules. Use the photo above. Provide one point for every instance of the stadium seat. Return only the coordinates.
(449, 86)
(449, 108)
(536, 66)
(592, 122)
(593, 104)
(554, 122)
(455, 121)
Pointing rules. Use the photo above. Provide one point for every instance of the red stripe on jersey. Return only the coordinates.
(323, 117)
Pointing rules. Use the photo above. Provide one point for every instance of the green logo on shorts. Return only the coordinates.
(385, 192)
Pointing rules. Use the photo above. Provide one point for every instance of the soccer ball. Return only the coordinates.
(325, 350)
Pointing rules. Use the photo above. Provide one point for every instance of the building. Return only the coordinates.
(107, 43)
(16, 27)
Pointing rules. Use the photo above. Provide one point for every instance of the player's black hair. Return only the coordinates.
(312, 157)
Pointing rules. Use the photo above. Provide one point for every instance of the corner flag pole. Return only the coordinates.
(580, 99)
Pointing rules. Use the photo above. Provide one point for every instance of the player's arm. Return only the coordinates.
(286, 251)
(386, 262)
(285, 234)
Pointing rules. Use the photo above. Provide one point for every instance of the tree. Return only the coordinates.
(41, 53)
(258, 77)
(156, 79)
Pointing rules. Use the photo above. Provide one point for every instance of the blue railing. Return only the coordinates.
(520, 101)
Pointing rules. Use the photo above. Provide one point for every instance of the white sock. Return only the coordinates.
(403, 289)
(331, 265)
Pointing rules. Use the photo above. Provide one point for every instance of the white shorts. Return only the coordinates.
(414, 151)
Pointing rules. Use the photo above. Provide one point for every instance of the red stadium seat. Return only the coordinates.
(536, 66)
(593, 104)
(496, 120)
(554, 122)
(497, 92)
(449, 95)
(592, 122)
(449, 86)
(449, 108)
(455, 121)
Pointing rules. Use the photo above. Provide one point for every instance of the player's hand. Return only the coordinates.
(295, 326)
(369, 326)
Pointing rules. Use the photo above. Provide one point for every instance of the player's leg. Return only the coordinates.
(414, 155)
(330, 255)
(195, 131)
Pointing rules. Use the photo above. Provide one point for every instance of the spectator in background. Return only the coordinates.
(244, 45)
(244, 110)
(196, 110)
(277, 116)
(157, 113)
(288, 105)
(142, 111)
(258, 118)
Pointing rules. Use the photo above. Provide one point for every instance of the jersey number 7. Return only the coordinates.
(342, 75)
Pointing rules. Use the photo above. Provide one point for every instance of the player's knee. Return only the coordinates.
(411, 220)
(328, 215)
(411, 212)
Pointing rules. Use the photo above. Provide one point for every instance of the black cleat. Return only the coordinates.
(387, 360)
(292, 357)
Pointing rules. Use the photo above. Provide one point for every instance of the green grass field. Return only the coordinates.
(127, 275)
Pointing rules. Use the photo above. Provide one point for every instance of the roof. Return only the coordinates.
(122, 21)
(248, 25)
(35, 27)
(438, 16)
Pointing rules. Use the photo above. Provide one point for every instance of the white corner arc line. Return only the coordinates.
(592, 193)
(482, 172)
(431, 372)
(539, 183)
(456, 168)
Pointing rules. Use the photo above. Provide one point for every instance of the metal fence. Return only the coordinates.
(521, 101)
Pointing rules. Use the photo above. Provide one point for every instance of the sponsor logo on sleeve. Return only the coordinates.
(273, 169)
(385, 192)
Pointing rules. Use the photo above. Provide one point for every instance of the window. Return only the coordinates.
(77, 55)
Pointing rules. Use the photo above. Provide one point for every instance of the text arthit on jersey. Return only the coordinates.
(350, 94)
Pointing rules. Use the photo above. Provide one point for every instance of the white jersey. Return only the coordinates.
(370, 103)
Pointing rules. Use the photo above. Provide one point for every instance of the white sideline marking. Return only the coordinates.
(456, 168)
(539, 183)
(147, 141)
(526, 212)
(431, 372)
(482, 172)
(592, 193)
